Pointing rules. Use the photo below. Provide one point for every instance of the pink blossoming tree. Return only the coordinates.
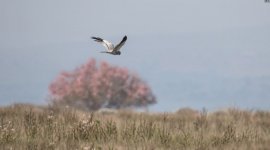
(93, 86)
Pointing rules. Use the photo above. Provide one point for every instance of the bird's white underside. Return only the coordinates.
(108, 45)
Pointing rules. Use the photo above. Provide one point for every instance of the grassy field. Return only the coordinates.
(32, 127)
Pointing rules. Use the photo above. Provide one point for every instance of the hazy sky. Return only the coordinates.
(211, 53)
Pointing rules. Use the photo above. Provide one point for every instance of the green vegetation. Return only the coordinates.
(32, 127)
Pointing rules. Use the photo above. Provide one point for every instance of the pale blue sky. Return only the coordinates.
(211, 53)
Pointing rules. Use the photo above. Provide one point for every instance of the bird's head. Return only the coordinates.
(118, 53)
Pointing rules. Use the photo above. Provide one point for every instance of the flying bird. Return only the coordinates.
(111, 49)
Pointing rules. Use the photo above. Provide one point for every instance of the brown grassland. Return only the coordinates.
(34, 127)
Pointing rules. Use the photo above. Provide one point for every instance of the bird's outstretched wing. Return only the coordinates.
(109, 46)
(118, 46)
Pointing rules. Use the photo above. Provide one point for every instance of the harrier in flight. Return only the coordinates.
(111, 49)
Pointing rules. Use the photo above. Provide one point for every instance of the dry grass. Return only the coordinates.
(29, 127)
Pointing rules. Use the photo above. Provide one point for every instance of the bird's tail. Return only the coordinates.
(104, 52)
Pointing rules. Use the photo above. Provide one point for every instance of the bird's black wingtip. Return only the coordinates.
(125, 37)
(97, 39)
